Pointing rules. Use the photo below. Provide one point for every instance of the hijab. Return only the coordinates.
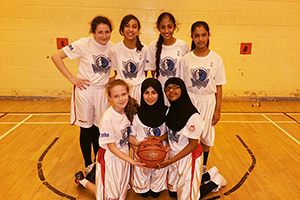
(181, 109)
(154, 115)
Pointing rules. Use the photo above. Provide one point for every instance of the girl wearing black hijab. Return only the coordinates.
(149, 123)
(184, 126)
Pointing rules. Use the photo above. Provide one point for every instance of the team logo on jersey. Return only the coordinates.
(152, 131)
(104, 134)
(70, 47)
(173, 136)
(102, 64)
(130, 69)
(191, 128)
(200, 77)
(167, 66)
(125, 135)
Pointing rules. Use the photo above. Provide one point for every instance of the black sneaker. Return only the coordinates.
(91, 175)
(78, 177)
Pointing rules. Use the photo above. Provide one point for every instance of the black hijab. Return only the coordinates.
(180, 110)
(154, 115)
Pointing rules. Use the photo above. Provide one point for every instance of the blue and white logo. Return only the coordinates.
(152, 131)
(200, 77)
(130, 69)
(173, 136)
(125, 135)
(104, 134)
(101, 64)
(167, 66)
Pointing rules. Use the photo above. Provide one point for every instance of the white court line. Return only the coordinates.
(281, 129)
(5, 134)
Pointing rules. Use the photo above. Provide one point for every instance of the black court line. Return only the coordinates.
(3, 115)
(42, 177)
(244, 178)
(291, 117)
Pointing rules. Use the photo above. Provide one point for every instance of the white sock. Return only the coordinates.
(83, 182)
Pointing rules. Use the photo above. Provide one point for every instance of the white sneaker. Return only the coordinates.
(88, 169)
(220, 181)
(204, 169)
(212, 173)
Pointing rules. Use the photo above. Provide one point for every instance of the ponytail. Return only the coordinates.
(131, 108)
(139, 45)
(158, 53)
(193, 46)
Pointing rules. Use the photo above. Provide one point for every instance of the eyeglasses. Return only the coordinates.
(174, 87)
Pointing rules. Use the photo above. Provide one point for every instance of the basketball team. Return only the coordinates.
(178, 106)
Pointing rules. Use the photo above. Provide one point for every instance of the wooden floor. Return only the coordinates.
(257, 150)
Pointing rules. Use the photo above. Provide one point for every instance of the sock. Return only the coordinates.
(205, 157)
(95, 139)
(85, 145)
(83, 182)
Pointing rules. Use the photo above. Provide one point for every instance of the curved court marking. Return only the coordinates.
(244, 178)
(41, 174)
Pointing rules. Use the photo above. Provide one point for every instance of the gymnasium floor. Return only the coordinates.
(257, 150)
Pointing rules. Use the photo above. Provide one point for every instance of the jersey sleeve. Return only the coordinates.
(74, 50)
(106, 132)
(194, 127)
(220, 78)
(114, 58)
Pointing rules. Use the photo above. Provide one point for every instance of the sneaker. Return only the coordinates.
(78, 177)
(212, 173)
(204, 169)
(88, 169)
(220, 181)
(91, 175)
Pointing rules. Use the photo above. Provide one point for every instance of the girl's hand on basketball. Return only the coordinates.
(164, 163)
(80, 83)
(141, 165)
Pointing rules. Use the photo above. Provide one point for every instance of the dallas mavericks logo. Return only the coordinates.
(167, 66)
(152, 131)
(200, 77)
(102, 64)
(130, 69)
(173, 136)
(125, 135)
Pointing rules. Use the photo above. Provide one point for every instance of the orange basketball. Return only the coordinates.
(151, 152)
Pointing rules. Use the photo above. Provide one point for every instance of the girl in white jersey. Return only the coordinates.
(88, 100)
(184, 126)
(149, 123)
(129, 56)
(113, 160)
(204, 74)
(165, 53)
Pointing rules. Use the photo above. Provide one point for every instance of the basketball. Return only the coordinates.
(151, 152)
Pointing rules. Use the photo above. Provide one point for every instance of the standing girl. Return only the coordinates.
(88, 99)
(185, 127)
(149, 123)
(204, 75)
(113, 161)
(166, 52)
(129, 56)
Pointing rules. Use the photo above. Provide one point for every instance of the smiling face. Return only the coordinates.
(131, 30)
(150, 96)
(173, 92)
(200, 36)
(119, 96)
(102, 34)
(166, 28)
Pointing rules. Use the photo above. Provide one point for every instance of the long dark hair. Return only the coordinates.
(125, 21)
(194, 26)
(161, 39)
(100, 20)
(132, 105)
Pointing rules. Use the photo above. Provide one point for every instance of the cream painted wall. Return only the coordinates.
(29, 29)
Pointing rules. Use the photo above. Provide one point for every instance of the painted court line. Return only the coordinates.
(5, 134)
(281, 129)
